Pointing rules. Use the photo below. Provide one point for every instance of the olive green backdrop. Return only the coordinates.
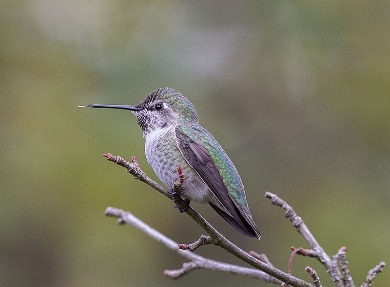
(296, 92)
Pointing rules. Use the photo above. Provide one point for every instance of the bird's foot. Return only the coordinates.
(183, 205)
(173, 193)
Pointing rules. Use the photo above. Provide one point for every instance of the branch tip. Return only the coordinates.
(107, 155)
(314, 276)
(187, 267)
(342, 261)
(373, 273)
(291, 259)
(134, 161)
(203, 240)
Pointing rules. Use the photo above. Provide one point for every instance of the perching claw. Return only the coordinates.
(175, 192)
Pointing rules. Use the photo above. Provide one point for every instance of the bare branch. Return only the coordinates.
(372, 274)
(301, 227)
(217, 237)
(134, 169)
(314, 276)
(341, 257)
(197, 261)
(305, 252)
(187, 267)
(203, 240)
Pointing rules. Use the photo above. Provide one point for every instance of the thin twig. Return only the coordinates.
(203, 240)
(134, 169)
(372, 274)
(290, 260)
(187, 267)
(314, 276)
(301, 227)
(343, 265)
(305, 252)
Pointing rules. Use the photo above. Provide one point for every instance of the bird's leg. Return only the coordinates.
(175, 191)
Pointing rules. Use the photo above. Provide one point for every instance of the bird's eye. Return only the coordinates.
(158, 106)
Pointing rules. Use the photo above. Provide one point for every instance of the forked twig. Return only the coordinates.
(301, 227)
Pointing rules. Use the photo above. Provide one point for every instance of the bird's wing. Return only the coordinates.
(205, 155)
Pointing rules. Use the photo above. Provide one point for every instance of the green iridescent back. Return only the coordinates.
(225, 166)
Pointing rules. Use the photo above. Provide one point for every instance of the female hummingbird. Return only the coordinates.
(174, 138)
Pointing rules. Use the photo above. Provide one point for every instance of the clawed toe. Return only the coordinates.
(183, 207)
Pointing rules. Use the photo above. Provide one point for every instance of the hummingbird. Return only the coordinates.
(174, 138)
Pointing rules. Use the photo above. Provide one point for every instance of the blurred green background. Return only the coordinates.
(296, 92)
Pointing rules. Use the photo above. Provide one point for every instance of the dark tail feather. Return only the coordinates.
(241, 224)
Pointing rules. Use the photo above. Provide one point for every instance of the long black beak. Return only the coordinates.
(119, 107)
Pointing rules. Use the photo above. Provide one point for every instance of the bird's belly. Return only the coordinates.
(164, 157)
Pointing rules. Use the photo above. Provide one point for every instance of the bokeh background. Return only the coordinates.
(296, 92)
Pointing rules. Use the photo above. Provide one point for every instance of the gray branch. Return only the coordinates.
(341, 258)
(372, 274)
(337, 267)
(314, 276)
(203, 240)
(298, 223)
